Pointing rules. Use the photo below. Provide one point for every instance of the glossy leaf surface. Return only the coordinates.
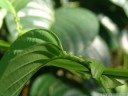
(75, 29)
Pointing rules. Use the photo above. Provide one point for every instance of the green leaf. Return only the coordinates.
(25, 57)
(76, 28)
(109, 82)
(33, 37)
(39, 87)
(96, 67)
(30, 52)
(19, 69)
(49, 85)
(19, 4)
(71, 65)
(8, 6)
(29, 18)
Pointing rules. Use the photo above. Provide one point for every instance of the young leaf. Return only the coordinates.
(96, 67)
(109, 82)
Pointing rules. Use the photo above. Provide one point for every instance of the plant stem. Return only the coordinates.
(111, 72)
(116, 73)
(18, 25)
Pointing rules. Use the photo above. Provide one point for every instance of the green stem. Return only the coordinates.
(75, 58)
(116, 73)
(4, 44)
(18, 25)
(112, 72)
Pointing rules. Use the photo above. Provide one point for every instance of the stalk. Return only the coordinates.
(116, 73)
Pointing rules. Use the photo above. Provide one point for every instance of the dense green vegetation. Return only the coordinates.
(63, 47)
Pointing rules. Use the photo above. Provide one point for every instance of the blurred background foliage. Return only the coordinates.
(87, 28)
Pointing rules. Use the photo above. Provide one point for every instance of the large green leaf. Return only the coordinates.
(19, 69)
(36, 14)
(38, 48)
(19, 66)
(28, 54)
(49, 85)
(36, 36)
(76, 28)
